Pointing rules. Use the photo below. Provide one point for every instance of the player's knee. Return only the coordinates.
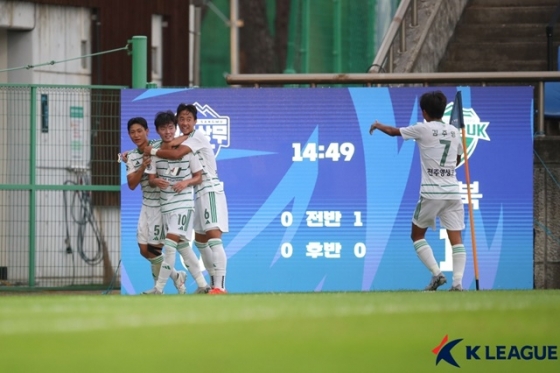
(415, 236)
(454, 237)
(213, 233)
(144, 251)
(154, 250)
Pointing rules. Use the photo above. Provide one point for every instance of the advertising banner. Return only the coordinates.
(316, 203)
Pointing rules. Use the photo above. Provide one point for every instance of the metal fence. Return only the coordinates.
(59, 186)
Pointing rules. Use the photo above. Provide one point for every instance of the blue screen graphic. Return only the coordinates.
(317, 204)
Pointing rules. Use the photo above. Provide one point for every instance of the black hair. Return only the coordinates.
(188, 107)
(138, 120)
(433, 103)
(165, 117)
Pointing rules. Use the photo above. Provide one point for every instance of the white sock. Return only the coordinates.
(207, 256)
(156, 265)
(426, 255)
(459, 262)
(220, 262)
(169, 250)
(191, 262)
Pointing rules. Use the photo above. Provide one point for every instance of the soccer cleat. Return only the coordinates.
(179, 282)
(436, 282)
(456, 288)
(153, 291)
(215, 291)
(202, 290)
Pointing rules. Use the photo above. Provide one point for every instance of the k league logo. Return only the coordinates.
(443, 351)
(214, 126)
(502, 352)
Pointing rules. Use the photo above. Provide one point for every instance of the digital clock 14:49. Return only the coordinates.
(333, 151)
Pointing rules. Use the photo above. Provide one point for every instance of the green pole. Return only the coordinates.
(139, 61)
(32, 181)
(371, 34)
(337, 37)
(306, 14)
(292, 27)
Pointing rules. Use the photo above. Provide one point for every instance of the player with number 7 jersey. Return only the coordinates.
(440, 150)
(439, 144)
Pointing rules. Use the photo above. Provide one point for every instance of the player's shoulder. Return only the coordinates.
(155, 143)
(190, 156)
(198, 135)
(437, 125)
(451, 127)
(134, 153)
(419, 124)
(414, 127)
(434, 123)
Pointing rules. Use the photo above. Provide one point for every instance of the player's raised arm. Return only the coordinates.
(178, 140)
(171, 153)
(389, 130)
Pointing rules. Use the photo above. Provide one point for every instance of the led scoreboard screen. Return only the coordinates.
(316, 203)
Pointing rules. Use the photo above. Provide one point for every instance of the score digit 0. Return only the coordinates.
(286, 219)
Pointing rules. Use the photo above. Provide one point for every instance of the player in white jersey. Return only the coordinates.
(211, 210)
(150, 232)
(175, 180)
(440, 152)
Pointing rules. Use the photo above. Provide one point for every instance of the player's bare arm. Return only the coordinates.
(178, 140)
(194, 180)
(169, 152)
(389, 130)
(135, 177)
(156, 182)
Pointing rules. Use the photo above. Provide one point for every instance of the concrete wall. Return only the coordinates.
(427, 42)
(58, 33)
(32, 34)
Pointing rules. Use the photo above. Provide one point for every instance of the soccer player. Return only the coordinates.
(150, 231)
(175, 180)
(211, 219)
(440, 152)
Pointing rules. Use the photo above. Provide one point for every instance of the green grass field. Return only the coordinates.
(318, 332)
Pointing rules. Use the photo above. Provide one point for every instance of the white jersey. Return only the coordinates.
(439, 144)
(202, 148)
(174, 171)
(150, 196)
